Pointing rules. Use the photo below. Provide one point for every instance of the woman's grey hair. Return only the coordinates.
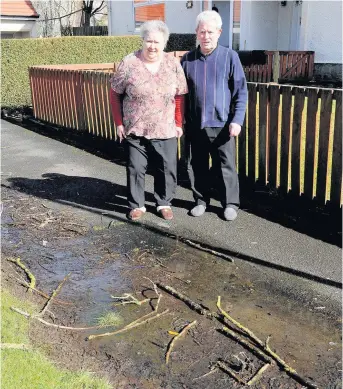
(209, 16)
(155, 26)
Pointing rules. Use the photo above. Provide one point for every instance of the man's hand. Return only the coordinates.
(121, 133)
(234, 129)
(179, 132)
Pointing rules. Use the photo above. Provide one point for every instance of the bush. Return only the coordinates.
(17, 55)
(181, 42)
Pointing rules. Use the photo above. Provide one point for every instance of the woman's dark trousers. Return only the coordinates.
(162, 156)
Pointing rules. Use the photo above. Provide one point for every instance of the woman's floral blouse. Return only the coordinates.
(149, 99)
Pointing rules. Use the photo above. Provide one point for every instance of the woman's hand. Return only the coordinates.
(121, 133)
(179, 132)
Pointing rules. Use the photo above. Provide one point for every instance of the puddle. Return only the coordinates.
(117, 260)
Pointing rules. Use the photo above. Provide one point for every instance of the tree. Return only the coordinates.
(90, 9)
(57, 15)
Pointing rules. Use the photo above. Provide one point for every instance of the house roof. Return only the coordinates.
(20, 8)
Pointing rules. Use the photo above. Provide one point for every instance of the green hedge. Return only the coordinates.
(17, 55)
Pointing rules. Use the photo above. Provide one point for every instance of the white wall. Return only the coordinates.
(259, 22)
(322, 30)
(23, 28)
(120, 17)
(179, 19)
(284, 26)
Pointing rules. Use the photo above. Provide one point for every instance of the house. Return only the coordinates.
(249, 25)
(18, 19)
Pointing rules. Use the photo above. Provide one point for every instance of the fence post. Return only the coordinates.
(276, 66)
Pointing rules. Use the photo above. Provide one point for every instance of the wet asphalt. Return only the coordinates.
(67, 176)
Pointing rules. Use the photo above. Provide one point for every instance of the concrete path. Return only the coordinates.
(44, 167)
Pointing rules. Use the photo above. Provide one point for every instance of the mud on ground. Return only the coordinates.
(111, 260)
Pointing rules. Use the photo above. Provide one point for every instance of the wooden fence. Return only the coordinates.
(291, 139)
(90, 31)
(282, 66)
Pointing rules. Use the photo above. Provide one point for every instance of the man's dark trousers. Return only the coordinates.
(218, 143)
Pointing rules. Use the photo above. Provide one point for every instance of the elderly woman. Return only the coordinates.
(147, 101)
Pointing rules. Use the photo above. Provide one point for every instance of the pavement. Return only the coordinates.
(91, 185)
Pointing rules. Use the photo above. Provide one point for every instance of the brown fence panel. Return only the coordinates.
(263, 103)
(299, 98)
(311, 123)
(274, 102)
(242, 154)
(252, 90)
(325, 115)
(285, 136)
(94, 128)
(336, 174)
(86, 97)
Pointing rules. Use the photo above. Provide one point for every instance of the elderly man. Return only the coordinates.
(215, 109)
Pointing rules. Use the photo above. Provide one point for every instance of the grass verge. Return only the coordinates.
(30, 369)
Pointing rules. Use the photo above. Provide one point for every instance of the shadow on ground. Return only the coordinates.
(292, 212)
(103, 198)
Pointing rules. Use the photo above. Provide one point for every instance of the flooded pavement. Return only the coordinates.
(122, 257)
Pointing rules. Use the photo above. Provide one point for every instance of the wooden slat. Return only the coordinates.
(39, 94)
(103, 108)
(42, 96)
(56, 96)
(252, 90)
(73, 98)
(113, 128)
(96, 103)
(263, 128)
(299, 99)
(63, 98)
(336, 173)
(85, 101)
(311, 66)
(325, 115)
(270, 67)
(285, 136)
(78, 100)
(242, 151)
(67, 100)
(87, 88)
(108, 107)
(52, 75)
(50, 96)
(311, 119)
(274, 101)
(32, 90)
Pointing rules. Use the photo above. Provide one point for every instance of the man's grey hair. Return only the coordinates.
(155, 26)
(209, 16)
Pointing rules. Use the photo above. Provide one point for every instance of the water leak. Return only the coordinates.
(305, 328)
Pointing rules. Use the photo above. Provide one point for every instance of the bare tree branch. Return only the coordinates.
(64, 16)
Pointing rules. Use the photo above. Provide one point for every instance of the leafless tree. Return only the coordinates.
(91, 8)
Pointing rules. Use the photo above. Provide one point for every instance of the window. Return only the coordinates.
(148, 10)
